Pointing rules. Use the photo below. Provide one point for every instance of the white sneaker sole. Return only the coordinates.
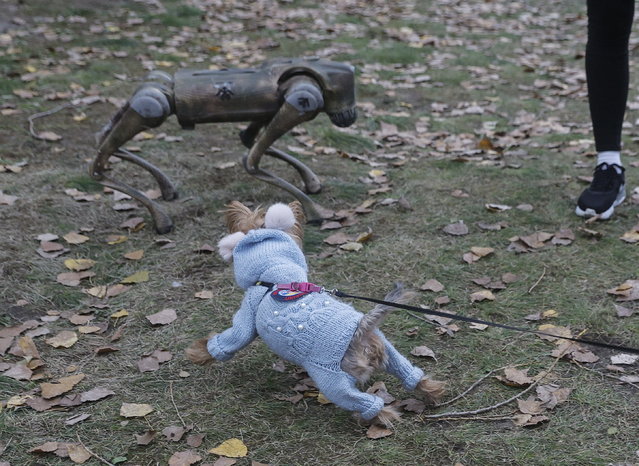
(606, 214)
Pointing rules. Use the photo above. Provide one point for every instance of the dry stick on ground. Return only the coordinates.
(173, 401)
(43, 114)
(537, 282)
(469, 389)
(93, 454)
(607, 375)
(502, 403)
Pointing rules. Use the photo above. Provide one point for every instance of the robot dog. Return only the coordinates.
(274, 98)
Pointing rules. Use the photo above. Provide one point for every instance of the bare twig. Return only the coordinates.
(417, 316)
(469, 389)
(537, 282)
(478, 418)
(43, 114)
(603, 374)
(173, 401)
(502, 403)
(93, 454)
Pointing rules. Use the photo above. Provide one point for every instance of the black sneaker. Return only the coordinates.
(607, 191)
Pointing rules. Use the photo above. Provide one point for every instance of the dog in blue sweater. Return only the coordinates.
(336, 345)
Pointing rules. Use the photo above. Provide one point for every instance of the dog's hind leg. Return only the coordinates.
(412, 377)
(339, 387)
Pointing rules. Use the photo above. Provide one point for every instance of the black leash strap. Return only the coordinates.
(341, 294)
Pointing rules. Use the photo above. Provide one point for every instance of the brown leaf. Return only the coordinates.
(145, 438)
(530, 406)
(514, 377)
(134, 255)
(412, 405)
(376, 432)
(204, 294)
(65, 384)
(77, 453)
(623, 311)
(148, 364)
(164, 317)
(64, 339)
(552, 395)
(73, 278)
(423, 351)
(173, 433)
(524, 420)
(337, 239)
(49, 136)
(456, 229)
(195, 440)
(432, 285)
(184, 458)
(95, 394)
(18, 372)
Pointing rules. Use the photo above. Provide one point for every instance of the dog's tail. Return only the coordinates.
(376, 316)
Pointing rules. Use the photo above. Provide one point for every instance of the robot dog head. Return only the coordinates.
(337, 81)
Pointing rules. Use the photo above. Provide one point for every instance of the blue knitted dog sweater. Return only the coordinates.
(313, 330)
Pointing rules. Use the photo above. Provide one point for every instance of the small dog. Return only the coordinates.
(337, 345)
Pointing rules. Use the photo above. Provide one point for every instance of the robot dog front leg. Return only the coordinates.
(303, 101)
(149, 107)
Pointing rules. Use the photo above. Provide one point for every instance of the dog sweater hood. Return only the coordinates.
(268, 255)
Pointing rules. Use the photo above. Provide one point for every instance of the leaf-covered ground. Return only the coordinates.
(459, 179)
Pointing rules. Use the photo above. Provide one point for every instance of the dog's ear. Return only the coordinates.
(238, 217)
(227, 244)
(297, 231)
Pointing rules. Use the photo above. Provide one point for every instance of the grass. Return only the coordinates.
(597, 425)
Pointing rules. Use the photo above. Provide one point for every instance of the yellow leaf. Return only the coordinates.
(549, 313)
(75, 238)
(135, 409)
(137, 277)
(99, 291)
(78, 265)
(17, 400)
(375, 173)
(232, 448)
(120, 313)
(351, 246)
(135, 255)
(80, 116)
(64, 339)
(117, 239)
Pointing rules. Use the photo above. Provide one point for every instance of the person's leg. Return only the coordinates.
(609, 26)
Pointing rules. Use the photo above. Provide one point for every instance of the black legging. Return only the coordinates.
(609, 25)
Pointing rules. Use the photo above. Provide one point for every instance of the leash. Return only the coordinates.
(310, 287)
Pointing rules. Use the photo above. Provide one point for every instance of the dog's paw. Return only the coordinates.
(197, 352)
(386, 417)
(431, 390)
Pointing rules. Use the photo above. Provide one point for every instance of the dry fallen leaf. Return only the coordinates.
(432, 285)
(78, 265)
(482, 295)
(232, 448)
(164, 317)
(135, 409)
(376, 432)
(134, 255)
(184, 458)
(423, 351)
(65, 384)
(64, 339)
(138, 277)
(204, 294)
(74, 237)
